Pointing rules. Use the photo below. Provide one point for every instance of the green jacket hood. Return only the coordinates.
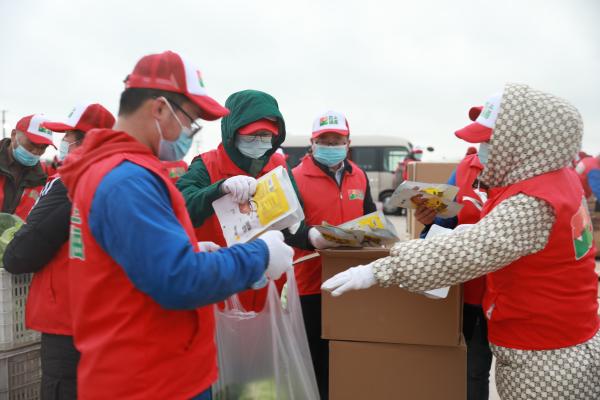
(246, 107)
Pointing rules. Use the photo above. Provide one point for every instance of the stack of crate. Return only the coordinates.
(20, 371)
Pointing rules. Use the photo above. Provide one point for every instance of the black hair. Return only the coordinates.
(133, 98)
(79, 135)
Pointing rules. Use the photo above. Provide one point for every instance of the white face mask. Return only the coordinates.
(252, 146)
(484, 152)
(63, 149)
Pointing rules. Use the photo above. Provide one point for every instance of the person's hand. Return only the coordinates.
(280, 254)
(318, 241)
(208, 247)
(240, 187)
(355, 278)
(424, 214)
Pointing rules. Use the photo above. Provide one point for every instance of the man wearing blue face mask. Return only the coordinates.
(21, 174)
(335, 190)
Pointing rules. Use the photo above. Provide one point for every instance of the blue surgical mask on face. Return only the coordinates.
(330, 155)
(484, 152)
(252, 147)
(63, 149)
(24, 157)
(177, 149)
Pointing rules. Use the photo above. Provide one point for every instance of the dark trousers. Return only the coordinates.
(479, 355)
(319, 348)
(59, 367)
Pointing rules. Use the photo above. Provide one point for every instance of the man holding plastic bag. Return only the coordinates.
(141, 292)
(251, 135)
(535, 243)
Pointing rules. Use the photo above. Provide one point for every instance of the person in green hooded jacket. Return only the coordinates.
(251, 135)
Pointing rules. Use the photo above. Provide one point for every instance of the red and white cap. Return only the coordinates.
(170, 72)
(331, 121)
(31, 126)
(83, 118)
(481, 129)
(263, 124)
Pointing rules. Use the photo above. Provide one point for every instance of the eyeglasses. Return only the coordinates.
(194, 124)
(263, 137)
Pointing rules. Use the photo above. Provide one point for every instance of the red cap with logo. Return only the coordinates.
(84, 118)
(260, 125)
(168, 71)
(31, 126)
(484, 120)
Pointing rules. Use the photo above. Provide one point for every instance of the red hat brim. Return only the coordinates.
(57, 126)
(210, 109)
(474, 133)
(39, 139)
(323, 131)
(260, 125)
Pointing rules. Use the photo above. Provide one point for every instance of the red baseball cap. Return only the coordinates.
(331, 121)
(84, 118)
(31, 126)
(484, 120)
(168, 71)
(260, 125)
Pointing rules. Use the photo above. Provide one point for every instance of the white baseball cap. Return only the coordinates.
(330, 121)
(31, 126)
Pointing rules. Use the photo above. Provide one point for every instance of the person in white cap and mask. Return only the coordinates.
(336, 190)
(534, 242)
(21, 174)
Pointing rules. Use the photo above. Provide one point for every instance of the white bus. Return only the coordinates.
(377, 155)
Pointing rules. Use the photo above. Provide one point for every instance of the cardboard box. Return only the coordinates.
(360, 370)
(387, 315)
(430, 173)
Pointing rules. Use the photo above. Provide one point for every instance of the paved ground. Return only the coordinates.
(400, 224)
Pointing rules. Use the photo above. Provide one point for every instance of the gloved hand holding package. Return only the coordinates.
(437, 196)
(369, 230)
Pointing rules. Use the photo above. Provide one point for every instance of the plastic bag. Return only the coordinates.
(264, 355)
(9, 225)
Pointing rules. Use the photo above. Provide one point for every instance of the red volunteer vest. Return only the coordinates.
(325, 201)
(131, 347)
(220, 166)
(28, 199)
(466, 172)
(547, 300)
(175, 169)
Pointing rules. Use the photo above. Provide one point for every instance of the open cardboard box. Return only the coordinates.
(386, 315)
(361, 370)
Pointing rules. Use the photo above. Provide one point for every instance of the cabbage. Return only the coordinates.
(9, 225)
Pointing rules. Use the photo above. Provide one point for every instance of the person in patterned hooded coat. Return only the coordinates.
(534, 242)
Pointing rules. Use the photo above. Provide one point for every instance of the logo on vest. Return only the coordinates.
(76, 247)
(581, 229)
(356, 194)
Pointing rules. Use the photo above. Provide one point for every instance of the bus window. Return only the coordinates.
(366, 157)
(392, 156)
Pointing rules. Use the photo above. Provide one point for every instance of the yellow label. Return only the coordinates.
(372, 221)
(270, 200)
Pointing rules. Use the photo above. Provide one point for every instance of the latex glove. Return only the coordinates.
(318, 241)
(355, 278)
(240, 187)
(280, 254)
(208, 247)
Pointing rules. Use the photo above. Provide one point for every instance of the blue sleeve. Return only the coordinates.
(443, 222)
(133, 221)
(594, 182)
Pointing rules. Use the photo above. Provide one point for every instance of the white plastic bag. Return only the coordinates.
(264, 355)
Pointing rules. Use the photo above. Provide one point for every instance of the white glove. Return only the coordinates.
(208, 247)
(240, 187)
(359, 277)
(280, 254)
(318, 241)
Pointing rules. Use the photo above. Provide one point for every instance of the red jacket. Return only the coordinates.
(466, 173)
(130, 346)
(220, 166)
(324, 200)
(547, 300)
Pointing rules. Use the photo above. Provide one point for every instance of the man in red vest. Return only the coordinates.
(47, 231)
(21, 174)
(251, 135)
(534, 242)
(472, 195)
(336, 190)
(141, 292)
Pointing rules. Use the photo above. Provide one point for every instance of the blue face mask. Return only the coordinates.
(24, 157)
(484, 152)
(252, 147)
(330, 155)
(174, 150)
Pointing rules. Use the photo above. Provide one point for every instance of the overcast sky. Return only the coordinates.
(405, 68)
